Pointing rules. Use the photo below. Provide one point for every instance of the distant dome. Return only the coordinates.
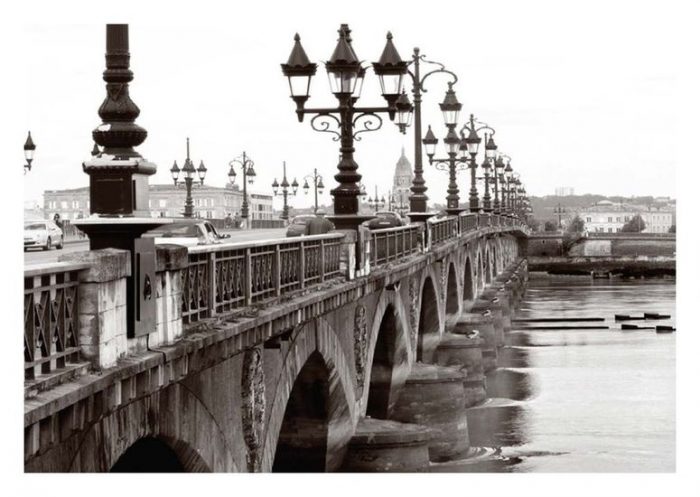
(605, 202)
(403, 167)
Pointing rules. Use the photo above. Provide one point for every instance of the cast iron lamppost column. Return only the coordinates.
(418, 200)
(472, 141)
(189, 171)
(450, 108)
(317, 180)
(248, 177)
(504, 178)
(498, 166)
(346, 75)
(29, 149)
(486, 165)
(376, 203)
(285, 190)
(119, 185)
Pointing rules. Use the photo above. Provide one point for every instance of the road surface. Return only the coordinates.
(38, 256)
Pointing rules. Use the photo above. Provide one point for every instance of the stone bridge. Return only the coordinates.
(349, 351)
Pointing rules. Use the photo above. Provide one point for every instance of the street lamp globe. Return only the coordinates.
(491, 147)
(201, 172)
(175, 172)
(430, 141)
(299, 70)
(405, 112)
(306, 187)
(473, 141)
(320, 186)
(450, 107)
(251, 174)
(343, 67)
(232, 174)
(29, 149)
(189, 169)
(295, 186)
(390, 69)
(275, 186)
(463, 148)
(452, 142)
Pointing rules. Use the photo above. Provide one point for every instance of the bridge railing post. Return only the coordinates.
(302, 265)
(248, 277)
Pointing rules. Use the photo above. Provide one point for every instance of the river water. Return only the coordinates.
(580, 400)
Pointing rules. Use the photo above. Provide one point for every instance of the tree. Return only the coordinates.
(533, 224)
(577, 225)
(550, 226)
(634, 225)
(672, 229)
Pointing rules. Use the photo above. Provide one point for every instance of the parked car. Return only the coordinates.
(298, 226)
(384, 219)
(188, 232)
(44, 234)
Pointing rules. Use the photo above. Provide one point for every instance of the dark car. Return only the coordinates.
(188, 232)
(384, 219)
(308, 224)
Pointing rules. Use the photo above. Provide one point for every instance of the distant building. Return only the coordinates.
(210, 202)
(403, 179)
(608, 217)
(563, 191)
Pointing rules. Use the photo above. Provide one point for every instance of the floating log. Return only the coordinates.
(553, 320)
(635, 327)
(662, 328)
(627, 317)
(524, 328)
(656, 315)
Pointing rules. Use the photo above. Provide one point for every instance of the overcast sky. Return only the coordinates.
(581, 94)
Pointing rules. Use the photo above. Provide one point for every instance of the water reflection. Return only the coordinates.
(577, 399)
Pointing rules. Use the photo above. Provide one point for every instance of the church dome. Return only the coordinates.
(403, 167)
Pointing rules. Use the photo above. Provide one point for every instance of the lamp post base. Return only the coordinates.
(420, 217)
(454, 211)
(348, 221)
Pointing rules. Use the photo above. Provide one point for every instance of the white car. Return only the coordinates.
(43, 234)
(186, 232)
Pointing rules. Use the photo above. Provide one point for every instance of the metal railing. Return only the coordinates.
(391, 244)
(468, 222)
(484, 220)
(220, 278)
(443, 229)
(50, 317)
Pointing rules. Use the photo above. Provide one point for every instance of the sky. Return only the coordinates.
(581, 94)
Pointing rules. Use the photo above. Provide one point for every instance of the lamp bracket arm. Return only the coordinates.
(442, 69)
(369, 121)
(323, 126)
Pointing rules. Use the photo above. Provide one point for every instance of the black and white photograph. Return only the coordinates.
(364, 238)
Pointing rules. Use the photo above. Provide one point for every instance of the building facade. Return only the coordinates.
(403, 179)
(210, 202)
(563, 191)
(609, 217)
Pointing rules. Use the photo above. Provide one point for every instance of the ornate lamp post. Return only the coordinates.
(418, 200)
(246, 165)
(504, 178)
(376, 203)
(189, 172)
(317, 181)
(450, 108)
(346, 75)
(471, 142)
(29, 149)
(285, 190)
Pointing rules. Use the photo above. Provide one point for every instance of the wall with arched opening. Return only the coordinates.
(429, 323)
(468, 281)
(314, 367)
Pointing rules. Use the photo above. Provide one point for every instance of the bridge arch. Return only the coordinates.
(429, 322)
(314, 396)
(479, 273)
(452, 300)
(487, 264)
(468, 281)
(172, 423)
(388, 357)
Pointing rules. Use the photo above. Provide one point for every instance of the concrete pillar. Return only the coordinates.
(380, 445)
(102, 302)
(170, 261)
(464, 352)
(468, 323)
(434, 396)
